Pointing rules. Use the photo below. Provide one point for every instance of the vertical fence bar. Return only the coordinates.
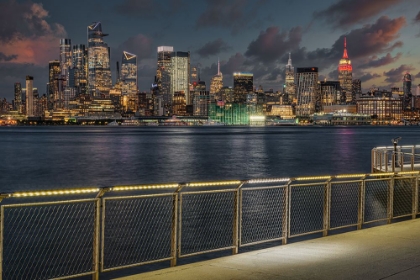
(1, 240)
(235, 232)
(393, 161)
(360, 210)
(174, 233)
(373, 161)
(386, 161)
(413, 151)
(390, 207)
(286, 221)
(96, 242)
(179, 232)
(416, 197)
(327, 200)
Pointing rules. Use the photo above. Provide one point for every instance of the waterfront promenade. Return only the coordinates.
(388, 252)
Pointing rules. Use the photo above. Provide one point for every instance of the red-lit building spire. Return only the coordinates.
(345, 55)
(345, 74)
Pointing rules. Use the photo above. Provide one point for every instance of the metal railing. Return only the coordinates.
(395, 158)
(45, 237)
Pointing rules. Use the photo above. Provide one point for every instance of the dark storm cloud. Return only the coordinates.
(213, 48)
(417, 19)
(345, 13)
(232, 14)
(4, 57)
(395, 75)
(148, 9)
(271, 44)
(417, 75)
(140, 45)
(378, 62)
(369, 76)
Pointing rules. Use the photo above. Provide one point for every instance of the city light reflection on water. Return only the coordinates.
(56, 157)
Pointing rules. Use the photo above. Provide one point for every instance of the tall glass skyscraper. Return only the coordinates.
(54, 84)
(290, 86)
(129, 79)
(99, 71)
(180, 74)
(30, 112)
(163, 76)
(18, 98)
(216, 82)
(407, 90)
(65, 59)
(243, 84)
(79, 69)
(345, 74)
(306, 90)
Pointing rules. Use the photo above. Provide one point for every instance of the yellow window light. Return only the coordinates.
(349, 176)
(272, 180)
(219, 183)
(313, 178)
(143, 187)
(55, 192)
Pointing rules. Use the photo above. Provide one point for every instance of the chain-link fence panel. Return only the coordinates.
(48, 240)
(306, 209)
(403, 197)
(376, 200)
(207, 221)
(344, 205)
(263, 213)
(137, 230)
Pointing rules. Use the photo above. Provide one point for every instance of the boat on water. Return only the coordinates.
(213, 123)
(113, 123)
(131, 122)
(284, 122)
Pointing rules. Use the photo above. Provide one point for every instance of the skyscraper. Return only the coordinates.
(180, 74)
(306, 90)
(55, 84)
(356, 89)
(345, 71)
(129, 79)
(407, 90)
(163, 76)
(79, 69)
(216, 82)
(243, 83)
(330, 93)
(18, 98)
(99, 70)
(30, 96)
(65, 58)
(290, 86)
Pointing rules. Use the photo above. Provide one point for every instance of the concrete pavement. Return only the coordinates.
(388, 252)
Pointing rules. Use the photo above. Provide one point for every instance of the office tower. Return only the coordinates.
(345, 71)
(128, 78)
(78, 73)
(356, 89)
(18, 97)
(330, 93)
(194, 76)
(290, 86)
(243, 83)
(55, 85)
(29, 96)
(180, 74)
(163, 75)
(407, 91)
(179, 103)
(65, 59)
(99, 71)
(306, 90)
(216, 82)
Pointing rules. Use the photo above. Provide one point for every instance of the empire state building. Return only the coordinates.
(345, 71)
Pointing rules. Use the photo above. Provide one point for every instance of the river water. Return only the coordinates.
(34, 158)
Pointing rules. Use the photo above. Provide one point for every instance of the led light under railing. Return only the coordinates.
(268, 180)
(381, 174)
(408, 172)
(55, 192)
(350, 176)
(313, 178)
(220, 183)
(144, 187)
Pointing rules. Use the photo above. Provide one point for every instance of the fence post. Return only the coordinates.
(416, 197)
(360, 212)
(391, 200)
(386, 161)
(98, 242)
(413, 151)
(327, 200)
(285, 221)
(236, 218)
(1, 233)
(174, 233)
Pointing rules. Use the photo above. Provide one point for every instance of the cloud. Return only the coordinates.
(378, 62)
(417, 75)
(140, 45)
(4, 57)
(148, 9)
(369, 76)
(232, 14)
(271, 44)
(395, 75)
(25, 34)
(213, 48)
(417, 18)
(345, 13)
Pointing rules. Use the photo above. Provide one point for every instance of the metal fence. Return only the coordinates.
(395, 158)
(124, 226)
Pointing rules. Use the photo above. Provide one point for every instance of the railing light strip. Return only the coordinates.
(144, 187)
(313, 178)
(349, 176)
(273, 180)
(219, 183)
(55, 192)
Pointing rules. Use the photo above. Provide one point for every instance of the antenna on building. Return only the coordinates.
(345, 55)
(218, 66)
(289, 62)
(118, 71)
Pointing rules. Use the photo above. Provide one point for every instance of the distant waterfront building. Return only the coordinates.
(345, 74)
(384, 110)
(201, 103)
(243, 83)
(180, 74)
(99, 71)
(65, 59)
(290, 86)
(78, 72)
(407, 91)
(330, 93)
(30, 96)
(17, 102)
(163, 76)
(129, 79)
(216, 82)
(307, 93)
(179, 103)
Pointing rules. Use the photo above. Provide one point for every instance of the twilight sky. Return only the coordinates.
(246, 35)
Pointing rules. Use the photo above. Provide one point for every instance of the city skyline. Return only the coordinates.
(247, 36)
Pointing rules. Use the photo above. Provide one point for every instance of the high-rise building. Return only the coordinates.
(30, 96)
(330, 93)
(216, 82)
(290, 86)
(128, 79)
(65, 59)
(407, 91)
(99, 69)
(345, 74)
(163, 76)
(306, 91)
(243, 83)
(55, 85)
(78, 72)
(180, 74)
(18, 98)
(356, 89)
